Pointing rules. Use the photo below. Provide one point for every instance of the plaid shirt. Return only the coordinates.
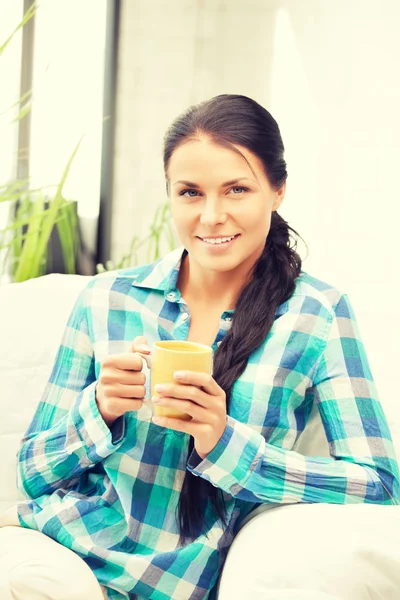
(111, 496)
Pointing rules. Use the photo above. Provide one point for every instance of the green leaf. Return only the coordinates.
(27, 16)
(29, 260)
(30, 250)
(67, 227)
(23, 112)
(52, 214)
(21, 99)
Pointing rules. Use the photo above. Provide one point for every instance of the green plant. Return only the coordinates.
(31, 225)
(33, 216)
(160, 230)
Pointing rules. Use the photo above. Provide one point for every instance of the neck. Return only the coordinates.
(207, 287)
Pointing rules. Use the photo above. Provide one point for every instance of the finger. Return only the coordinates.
(203, 380)
(198, 413)
(126, 361)
(140, 344)
(183, 392)
(119, 406)
(126, 377)
(127, 391)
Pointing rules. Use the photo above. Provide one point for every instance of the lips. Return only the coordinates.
(215, 241)
(218, 247)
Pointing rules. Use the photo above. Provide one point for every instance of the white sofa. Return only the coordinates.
(311, 551)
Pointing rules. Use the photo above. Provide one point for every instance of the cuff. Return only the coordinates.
(232, 461)
(194, 459)
(86, 419)
(118, 430)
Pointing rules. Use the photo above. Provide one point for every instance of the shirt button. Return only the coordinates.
(228, 319)
(171, 296)
(219, 343)
(185, 316)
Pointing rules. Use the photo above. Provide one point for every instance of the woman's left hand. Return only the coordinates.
(200, 396)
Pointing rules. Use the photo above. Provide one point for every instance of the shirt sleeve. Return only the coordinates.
(67, 434)
(363, 465)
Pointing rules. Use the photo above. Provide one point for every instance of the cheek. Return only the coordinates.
(258, 219)
(181, 219)
(175, 212)
(265, 222)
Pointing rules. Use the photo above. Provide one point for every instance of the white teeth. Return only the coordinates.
(217, 240)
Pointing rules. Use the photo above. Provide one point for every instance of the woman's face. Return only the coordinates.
(222, 212)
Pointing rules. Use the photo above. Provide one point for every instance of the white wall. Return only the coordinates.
(328, 72)
(336, 95)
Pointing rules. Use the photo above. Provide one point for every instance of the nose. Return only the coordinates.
(212, 214)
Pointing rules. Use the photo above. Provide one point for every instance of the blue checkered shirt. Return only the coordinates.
(111, 495)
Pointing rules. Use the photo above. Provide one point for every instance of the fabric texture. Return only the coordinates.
(112, 496)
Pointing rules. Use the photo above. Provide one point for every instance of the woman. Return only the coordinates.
(152, 507)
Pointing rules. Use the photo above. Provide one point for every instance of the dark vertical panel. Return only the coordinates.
(109, 114)
(24, 126)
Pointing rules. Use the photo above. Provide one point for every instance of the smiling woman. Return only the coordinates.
(152, 507)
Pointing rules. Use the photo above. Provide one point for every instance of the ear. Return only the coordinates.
(279, 196)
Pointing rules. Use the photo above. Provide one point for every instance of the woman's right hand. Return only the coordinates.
(121, 382)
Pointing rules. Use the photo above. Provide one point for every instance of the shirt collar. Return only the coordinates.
(163, 274)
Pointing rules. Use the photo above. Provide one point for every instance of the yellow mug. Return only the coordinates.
(169, 356)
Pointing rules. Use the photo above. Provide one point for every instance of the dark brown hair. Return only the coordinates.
(231, 120)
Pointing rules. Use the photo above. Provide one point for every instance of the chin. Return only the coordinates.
(219, 264)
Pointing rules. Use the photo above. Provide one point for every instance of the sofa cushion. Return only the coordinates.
(33, 315)
(316, 551)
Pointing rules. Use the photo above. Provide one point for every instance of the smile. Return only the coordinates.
(218, 241)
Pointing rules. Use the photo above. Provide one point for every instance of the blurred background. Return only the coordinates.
(88, 88)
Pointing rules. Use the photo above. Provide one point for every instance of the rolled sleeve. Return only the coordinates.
(362, 466)
(67, 433)
(232, 460)
(85, 418)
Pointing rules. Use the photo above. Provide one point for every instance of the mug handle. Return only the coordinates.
(148, 359)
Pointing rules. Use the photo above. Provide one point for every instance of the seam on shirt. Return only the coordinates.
(328, 327)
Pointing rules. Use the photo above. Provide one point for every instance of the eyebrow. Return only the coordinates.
(194, 185)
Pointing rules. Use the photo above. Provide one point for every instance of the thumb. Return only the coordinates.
(140, 344)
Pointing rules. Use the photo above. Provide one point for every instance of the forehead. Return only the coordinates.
(205, 156)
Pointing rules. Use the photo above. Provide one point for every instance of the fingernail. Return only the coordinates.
(156, 399)
(143, 348)
(179, 374)
(159, 388)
